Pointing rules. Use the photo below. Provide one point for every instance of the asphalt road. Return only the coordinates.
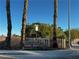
(52, 54)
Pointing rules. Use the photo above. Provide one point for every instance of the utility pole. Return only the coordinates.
(69, 24)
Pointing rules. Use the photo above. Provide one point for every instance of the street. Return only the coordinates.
(51, 54)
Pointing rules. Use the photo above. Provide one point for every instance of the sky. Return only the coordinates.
(39, 11)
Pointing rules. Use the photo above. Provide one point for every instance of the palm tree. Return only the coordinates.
(9, 25)
(55, 45)
(23, 30)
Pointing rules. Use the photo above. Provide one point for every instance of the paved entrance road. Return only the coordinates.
(55, 54)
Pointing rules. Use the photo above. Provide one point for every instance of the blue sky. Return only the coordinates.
(39, 11)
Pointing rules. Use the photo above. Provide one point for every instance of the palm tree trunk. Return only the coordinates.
(54, 40)
(23, 30)
(9, 25)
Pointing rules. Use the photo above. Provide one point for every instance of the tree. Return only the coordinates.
(23, 30)
(74, 34)
(54, 40)
(28, 30)
(60, 33)
(9, 25)
(45, 30)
